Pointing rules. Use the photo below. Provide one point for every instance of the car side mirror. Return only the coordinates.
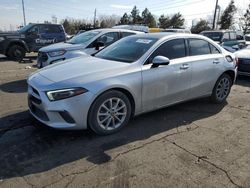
(98, 45)
(160, 60)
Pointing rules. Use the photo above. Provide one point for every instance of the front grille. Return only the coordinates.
(42, 56)
(35, 91)
(34, 99)
(36, 111)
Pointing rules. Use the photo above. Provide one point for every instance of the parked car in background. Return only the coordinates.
(177, 30)
(80, 31)
(247, 38)
(243, 56)
(88, 42)
(30, 39)
(154, 30)
(226, 38)
(141, 28)
(134, 75)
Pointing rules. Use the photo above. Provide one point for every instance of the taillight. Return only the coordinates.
(237, 61)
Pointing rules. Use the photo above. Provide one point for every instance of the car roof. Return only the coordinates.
(118, 30)
(217, 31)
(162, 35)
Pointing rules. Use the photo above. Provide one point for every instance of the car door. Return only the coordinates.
(48, 35)
(106, 39)
(206, 62)
(166, 84)
(31, 38)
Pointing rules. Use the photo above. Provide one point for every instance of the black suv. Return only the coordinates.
(30, 39)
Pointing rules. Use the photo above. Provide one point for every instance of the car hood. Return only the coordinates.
(62, 46)
(11, 35)
(83, 69)
(244, 53)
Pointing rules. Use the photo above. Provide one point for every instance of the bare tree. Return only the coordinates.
(108, 21)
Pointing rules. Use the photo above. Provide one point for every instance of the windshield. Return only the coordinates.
(127, 50)
(247, 38)
(25, 28)
(83, 37)
(216, 36)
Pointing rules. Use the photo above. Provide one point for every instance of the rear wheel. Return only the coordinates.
(109, 113)
(221, 89)
(16, 52)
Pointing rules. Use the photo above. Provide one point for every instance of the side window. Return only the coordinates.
(43, 28)
(172, 49)
(54, 29)
(108, 38)
(226, 37)
(232, 36)
(198, 47)
(125, 34)
(34, 29)
(214, 50)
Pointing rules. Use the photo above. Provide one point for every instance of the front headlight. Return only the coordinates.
(64, 93)
(57, 53)
(1, 39)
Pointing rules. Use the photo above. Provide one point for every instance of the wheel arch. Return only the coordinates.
(122, 90)
(19, 43)
(231, 73)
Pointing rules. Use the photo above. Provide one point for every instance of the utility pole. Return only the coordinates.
(94, 17)
(215, 11)
(24, 19)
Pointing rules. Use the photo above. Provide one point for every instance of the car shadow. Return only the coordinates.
(27, 59)
(28, 147)
(18, 86)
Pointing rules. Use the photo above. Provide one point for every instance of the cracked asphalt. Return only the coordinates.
(194, 144)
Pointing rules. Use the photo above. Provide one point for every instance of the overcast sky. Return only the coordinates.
(40, 10)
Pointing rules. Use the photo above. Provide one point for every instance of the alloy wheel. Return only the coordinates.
(223, 88)
(111, 113)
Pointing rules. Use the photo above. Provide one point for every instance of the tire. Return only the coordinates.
(17, 52)
(221, 89)
(103, 119)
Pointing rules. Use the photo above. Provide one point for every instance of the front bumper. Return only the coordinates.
(71, 113)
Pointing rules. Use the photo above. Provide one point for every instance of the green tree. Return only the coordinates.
(148, 19)
(202, 25)
(177, 21)
(226, 19)
(135, 15)
(164, 21)
(246, 20)
(124, 19)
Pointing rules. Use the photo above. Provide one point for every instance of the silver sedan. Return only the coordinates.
(135, 75)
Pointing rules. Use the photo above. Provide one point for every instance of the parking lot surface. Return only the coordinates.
(194, 144)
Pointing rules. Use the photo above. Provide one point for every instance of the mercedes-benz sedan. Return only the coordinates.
(135, 75)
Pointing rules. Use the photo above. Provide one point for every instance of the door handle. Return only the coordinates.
(216, 61)
(184, 66)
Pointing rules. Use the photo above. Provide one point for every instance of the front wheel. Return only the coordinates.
(17, 52)
(221, 89)
(109, 112)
